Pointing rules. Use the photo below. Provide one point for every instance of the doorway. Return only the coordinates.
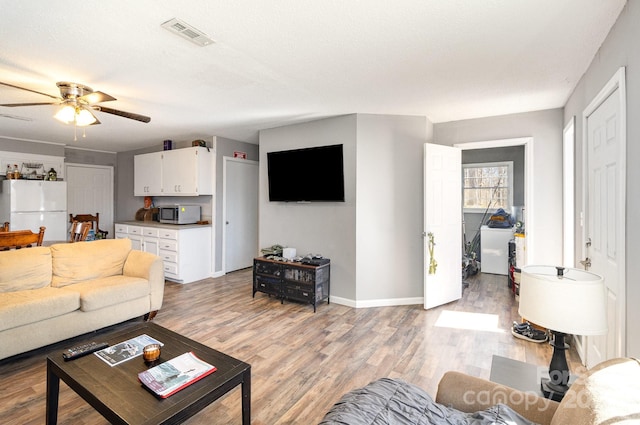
(528, 218)
(239, 213)
(90, 190)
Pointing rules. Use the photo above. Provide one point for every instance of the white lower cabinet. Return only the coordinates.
(185, 250)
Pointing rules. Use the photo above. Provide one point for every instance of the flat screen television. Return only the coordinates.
(306, 175)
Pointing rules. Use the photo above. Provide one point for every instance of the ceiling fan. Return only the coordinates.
(78, 103)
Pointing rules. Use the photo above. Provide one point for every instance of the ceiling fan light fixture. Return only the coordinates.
(77, 115)
(66, 114)
(84, 117)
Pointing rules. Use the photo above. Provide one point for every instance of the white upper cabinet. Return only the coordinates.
(180, 172)
(147, 174)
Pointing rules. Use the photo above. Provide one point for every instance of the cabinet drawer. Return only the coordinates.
(169, 234)
(267, 285)
(121, 228)
(300, 275)
(299, 292)
(169, 256)
(167, 245)
(150, 231)
(134, 230)
(171, 268)
(263, 267)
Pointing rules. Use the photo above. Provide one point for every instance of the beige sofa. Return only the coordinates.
(606, 394)
(48, 294)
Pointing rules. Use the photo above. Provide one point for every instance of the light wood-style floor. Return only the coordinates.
(302, 362)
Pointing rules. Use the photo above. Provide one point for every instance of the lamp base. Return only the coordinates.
(553, 391)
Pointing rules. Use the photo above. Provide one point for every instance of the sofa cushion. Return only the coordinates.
(26, 268)
(606, 394)
(107, 291)
(81, 261)
(23, 307)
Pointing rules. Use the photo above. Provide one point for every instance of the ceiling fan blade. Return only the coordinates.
(97, 97)
(129, 115)
(32, 91)
(11, 105)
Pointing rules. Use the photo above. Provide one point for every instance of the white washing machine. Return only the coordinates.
(494, 250)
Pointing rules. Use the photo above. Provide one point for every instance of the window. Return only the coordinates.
(487, 185)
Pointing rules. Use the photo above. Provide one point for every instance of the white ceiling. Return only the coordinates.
(285, 61)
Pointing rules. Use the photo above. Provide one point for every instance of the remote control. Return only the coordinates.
(84, 349)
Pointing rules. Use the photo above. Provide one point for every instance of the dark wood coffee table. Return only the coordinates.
(117, 394)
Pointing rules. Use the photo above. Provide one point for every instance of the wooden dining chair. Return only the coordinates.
(16, 239)
(79, 231)
(94, 220)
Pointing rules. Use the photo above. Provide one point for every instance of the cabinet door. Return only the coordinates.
(180, 170)
(151, 245)
(136, 242)
(147, 174)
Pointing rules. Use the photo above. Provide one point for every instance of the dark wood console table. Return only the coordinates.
(292, 280)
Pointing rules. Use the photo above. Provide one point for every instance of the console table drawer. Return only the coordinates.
(268, 269)
(299, 292)
(267, 285)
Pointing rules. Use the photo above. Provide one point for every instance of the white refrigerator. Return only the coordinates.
(29, 204)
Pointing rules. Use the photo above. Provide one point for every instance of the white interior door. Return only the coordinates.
(240, 213)
(443, 219)
(604, 213)
(90, 190)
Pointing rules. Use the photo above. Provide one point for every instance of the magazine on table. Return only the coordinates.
(173, 375)
(127, 350)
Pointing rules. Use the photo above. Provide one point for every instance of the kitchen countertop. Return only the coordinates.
(162, 225)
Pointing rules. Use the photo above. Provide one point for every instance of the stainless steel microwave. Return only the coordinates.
(179, 214)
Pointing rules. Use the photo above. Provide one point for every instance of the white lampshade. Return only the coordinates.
(84, 117)
(66, 114)
(574, 303)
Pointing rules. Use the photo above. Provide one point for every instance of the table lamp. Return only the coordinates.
(565, 301)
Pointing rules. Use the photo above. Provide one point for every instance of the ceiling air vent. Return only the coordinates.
(187, 31)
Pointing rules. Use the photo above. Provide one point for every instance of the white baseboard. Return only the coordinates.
(218, 274)
(376, 303)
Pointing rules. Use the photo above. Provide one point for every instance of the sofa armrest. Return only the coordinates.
(147, 266)
(471, 394)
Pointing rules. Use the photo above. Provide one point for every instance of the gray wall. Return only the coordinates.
(373, 238)
(619, 49)
(71, 155)
(12, 145)
(545, 127)
(326, 228)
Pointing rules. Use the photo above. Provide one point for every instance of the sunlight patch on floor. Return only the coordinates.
(465, 320)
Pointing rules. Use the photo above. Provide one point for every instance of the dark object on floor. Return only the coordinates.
(389, 401)
(527, 332)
